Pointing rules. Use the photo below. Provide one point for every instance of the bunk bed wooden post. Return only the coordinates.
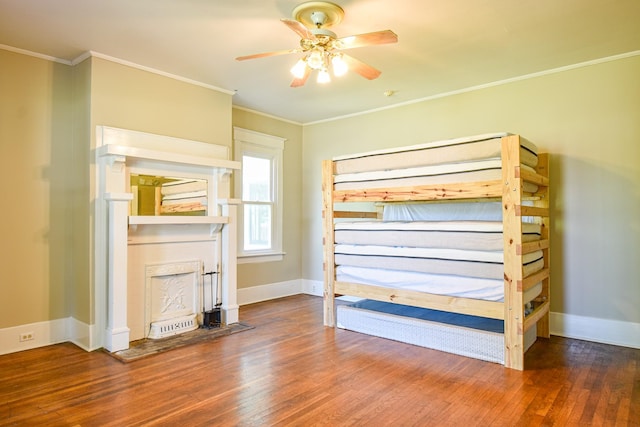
(328, 239)
(512, 237)
(543, 202)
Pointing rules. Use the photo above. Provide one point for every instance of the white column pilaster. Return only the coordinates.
(117, 331)
(229, 268)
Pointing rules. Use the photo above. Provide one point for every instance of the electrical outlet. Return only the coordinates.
(27, 336)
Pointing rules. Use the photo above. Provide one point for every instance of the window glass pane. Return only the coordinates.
(257, 227)
(256, 179)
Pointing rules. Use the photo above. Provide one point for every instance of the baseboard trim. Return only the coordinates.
(313, 287)
(82, 334)
(605, 331)
(43, 333)
(267, 292)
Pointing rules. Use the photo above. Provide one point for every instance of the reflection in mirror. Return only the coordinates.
(164, 195)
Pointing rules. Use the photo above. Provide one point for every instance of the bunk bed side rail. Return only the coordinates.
(473, 190)
(473, 307)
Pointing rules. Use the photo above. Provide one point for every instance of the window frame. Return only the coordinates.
(256, 144)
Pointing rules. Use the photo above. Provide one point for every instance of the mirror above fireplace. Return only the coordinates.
(166, 195)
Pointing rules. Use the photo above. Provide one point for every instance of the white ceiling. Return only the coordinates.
(444, 45)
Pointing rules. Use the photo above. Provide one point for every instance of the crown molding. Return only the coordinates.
(89, 54)
(486, 85)
(126, 63)
(35, 54)
(271, 116)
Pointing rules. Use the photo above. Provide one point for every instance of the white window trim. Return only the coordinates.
(248, 141)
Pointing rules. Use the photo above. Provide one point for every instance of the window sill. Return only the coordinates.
(267, 257)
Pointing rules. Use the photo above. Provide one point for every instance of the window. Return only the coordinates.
(259, 186)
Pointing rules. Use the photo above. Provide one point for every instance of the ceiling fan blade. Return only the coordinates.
(365, 70)
(368, 39)
(266, 54)
(299, 29)
(297, 82)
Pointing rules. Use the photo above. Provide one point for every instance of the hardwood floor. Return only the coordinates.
(291, 370)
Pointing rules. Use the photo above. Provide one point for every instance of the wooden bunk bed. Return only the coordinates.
(521, 192)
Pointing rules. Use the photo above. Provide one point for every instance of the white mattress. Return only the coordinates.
(411, 252)
(439, 152)
(483, 264)
(439, 284)
(425, 331)
(469, 235)
(473, 171)
(458, 334)
(454, 211)
(183, 186)
(187, 195)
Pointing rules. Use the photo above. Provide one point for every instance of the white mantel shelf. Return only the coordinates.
(162, 156)
(177, 219)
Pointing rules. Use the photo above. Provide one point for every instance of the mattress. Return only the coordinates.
(199, 197)
(469, 336)
(184, 196)
(183, 186)
(469, 235)
(439, 284)
(473, 171)
(450, 211)
(483, 264)
(433, 153)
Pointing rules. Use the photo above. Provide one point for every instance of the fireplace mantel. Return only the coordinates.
(158, 220)
(215, 222)
(124, 151)
(121, 152)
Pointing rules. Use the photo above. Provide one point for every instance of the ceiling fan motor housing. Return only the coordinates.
(319, 18)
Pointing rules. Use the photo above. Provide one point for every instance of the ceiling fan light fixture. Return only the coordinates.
(315, 59)
(345, 42)
(299, 69)
(340, 67)
(320, 47)
(324, 77)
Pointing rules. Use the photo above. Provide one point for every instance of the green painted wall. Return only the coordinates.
(35, 170)
(290, 268)
(587, 118)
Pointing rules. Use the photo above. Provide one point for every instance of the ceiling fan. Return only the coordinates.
(322, 48)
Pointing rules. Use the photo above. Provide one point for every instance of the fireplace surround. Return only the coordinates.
(148, 270)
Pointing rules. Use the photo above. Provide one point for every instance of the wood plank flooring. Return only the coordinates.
(291, 370)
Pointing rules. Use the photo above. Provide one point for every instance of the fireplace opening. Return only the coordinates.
(172, 298)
